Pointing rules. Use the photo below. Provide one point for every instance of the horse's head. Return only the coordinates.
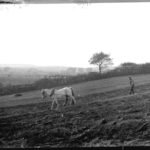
(43, 93)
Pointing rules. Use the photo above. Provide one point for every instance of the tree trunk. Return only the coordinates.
(100, 69)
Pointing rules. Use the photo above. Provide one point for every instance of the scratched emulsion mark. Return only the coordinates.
(82, 3)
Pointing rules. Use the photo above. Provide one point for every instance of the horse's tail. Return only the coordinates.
(72, 91)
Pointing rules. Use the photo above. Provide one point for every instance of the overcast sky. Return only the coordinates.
(69, 34)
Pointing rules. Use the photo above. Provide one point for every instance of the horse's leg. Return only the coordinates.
(57, 106)
(70, 100)
(73, 100)
(66, 101)
(56, 101)
(52, 104)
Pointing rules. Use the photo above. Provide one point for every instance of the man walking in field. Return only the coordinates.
(131, 85)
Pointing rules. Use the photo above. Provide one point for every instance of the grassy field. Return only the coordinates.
(81, 89)
(105, 115)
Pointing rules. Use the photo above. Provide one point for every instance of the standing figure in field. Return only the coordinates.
(131, 85)
(55, 94)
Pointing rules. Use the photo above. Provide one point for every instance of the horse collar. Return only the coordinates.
(52, 92)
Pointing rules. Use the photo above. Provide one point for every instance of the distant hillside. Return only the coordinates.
(25, 74)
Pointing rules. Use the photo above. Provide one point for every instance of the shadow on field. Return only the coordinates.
(103, 119)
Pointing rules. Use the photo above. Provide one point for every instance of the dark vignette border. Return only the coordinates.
(67, 1)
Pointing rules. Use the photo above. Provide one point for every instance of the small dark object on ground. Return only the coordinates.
(18, 94)
(103, 121)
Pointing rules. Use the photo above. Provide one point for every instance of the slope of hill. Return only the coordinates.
(80, 89)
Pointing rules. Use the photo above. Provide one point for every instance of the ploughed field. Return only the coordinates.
(104, 118)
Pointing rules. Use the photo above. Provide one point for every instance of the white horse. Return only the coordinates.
(55, 94)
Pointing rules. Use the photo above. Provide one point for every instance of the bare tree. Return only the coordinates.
(102, 60)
